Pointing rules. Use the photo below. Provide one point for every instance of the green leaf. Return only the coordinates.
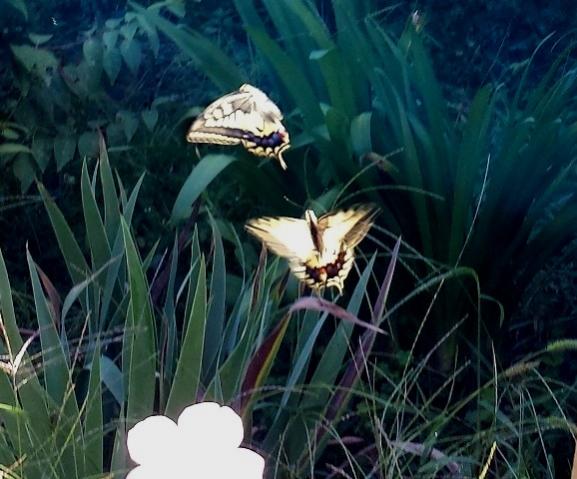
(261, 363)
(112, 378)
(88, 144)
(132, 53)
(109, 39)
(30, 393)
(24, 170)
(92, 50)
(151, 33)
(111, 203)
(150, 118)
(64, 149)
(95, 232)
(187, 378)
(9, 134)
(13, 148)
(39, 39)
(55, 367)
(19, 5)
(203, 173)
(75, 262)
(128, 30)
(293, 78)
(42, 148)
(129, 122)
(361, 134)
(112, 63)
(216, 309)
(113, 23)
(93, 422)
(37, 59)
(139, 348)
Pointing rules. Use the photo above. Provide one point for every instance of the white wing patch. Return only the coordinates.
(286, 237)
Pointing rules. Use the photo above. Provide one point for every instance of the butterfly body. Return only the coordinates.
(320, 251)
(246, 117)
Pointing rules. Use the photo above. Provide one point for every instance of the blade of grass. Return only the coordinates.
(139, 348)
(186, 381)
(93, 419)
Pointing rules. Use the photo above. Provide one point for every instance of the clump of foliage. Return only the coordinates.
(481, 196)
(120, 347)
(369, 122)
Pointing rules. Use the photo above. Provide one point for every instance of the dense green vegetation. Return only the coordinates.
(128, 287)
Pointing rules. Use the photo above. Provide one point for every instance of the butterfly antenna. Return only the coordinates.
(281, 161)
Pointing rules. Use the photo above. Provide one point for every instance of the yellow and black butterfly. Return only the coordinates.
(320, 251)
(246, 116)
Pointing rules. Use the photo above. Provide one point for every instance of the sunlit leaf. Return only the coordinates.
(200, 177)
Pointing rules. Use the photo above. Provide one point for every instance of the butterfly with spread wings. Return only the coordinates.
(320, 251)
(246, 116)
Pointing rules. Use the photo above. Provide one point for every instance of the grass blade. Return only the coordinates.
(139, 349)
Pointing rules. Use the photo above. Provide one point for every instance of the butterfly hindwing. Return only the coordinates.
(246, 116)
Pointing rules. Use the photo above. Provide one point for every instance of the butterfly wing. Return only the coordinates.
(292, 238)
(246, 116)
(226, 120)
(286, 237)
(346, 228)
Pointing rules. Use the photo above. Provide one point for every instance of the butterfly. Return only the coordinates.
(320, 251)
(246, 116)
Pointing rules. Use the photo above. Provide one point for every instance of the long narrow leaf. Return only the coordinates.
(139, 349)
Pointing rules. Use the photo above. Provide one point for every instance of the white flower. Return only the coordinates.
(203, 445)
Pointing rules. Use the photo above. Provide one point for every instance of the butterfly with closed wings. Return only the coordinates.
(320, 251)
(246, 116)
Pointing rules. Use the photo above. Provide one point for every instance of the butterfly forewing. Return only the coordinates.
(284, 236)
(348, 226)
